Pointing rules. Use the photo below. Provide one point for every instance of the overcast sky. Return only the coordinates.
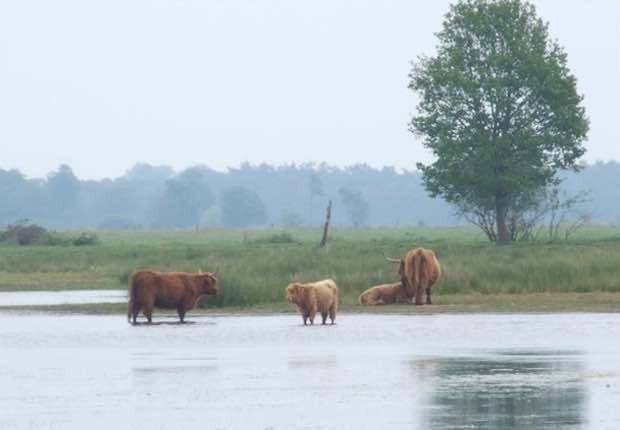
(101, 85)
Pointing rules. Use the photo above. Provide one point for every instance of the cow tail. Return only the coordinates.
(416, 271)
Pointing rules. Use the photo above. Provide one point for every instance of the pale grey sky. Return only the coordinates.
(101, 85)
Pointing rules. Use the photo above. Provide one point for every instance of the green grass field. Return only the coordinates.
(254, 267)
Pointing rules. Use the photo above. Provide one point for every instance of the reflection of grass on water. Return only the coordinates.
(519, 394)
(254, 268)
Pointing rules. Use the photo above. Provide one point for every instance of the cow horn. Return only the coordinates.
(215, 271)
(391, 260)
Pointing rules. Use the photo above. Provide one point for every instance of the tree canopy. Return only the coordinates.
(242, 207)
(356, 206)
(499, 109)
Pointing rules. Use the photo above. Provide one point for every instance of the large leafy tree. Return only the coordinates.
(499, 109)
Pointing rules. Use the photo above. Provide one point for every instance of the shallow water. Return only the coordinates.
(68, 297)
(368, 371)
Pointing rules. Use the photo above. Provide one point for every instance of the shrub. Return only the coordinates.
(24, 233)
(276, 238)
(85, 239)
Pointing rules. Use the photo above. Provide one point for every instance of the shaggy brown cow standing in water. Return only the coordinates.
(172, 290)
(314, 297)
(418, 271)
(386, 294)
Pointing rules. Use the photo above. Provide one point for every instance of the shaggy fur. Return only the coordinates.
(316, 297)
(419, 271)
(386, 294)
(173, 290)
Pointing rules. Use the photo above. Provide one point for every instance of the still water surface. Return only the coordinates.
(368, 371)
(63, 297)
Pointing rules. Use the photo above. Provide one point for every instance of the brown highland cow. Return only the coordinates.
(386, 294)
(418, 271)
(172, 290)
(321, 297)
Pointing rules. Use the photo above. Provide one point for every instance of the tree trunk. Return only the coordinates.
(326, 226)
(501, 212)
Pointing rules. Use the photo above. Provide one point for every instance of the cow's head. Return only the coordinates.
(293, 291)
(209, 283)
(401, 269)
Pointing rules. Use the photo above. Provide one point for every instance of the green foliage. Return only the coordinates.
(183, 201)
(498, 108)
(356, 206)
(24, 233)
(256, 272)
(315, 185)
(85, 239)
(275, 238)
(242, 207)
(394, 198)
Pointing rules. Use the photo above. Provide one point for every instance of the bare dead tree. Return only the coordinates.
(328, 216)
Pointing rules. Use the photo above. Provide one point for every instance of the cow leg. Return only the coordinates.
(134, 313)
(332, 313)
(418, 296)
(147, 309)
(323, 317)
(305, 317)
(312, 314)
(428, 296)
(181, 312)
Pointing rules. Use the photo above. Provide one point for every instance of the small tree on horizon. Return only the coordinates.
(315, 187)
(242, 207)
(500, 111)
(356, 206)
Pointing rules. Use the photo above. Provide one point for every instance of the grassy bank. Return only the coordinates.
(445, 304)
(255, 266)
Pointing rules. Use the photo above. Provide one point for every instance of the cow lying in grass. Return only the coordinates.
(385, 294)
(312, 298)
(172, 290)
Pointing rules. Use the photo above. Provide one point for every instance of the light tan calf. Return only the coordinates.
(385, 294)
(315, 297)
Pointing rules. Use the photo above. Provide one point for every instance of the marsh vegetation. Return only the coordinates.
(254, 266)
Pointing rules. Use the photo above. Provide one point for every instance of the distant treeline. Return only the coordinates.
(292, 195)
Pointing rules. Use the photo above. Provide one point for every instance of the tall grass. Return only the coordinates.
(254, 268)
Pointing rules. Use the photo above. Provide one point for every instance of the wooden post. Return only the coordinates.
(326, 226)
